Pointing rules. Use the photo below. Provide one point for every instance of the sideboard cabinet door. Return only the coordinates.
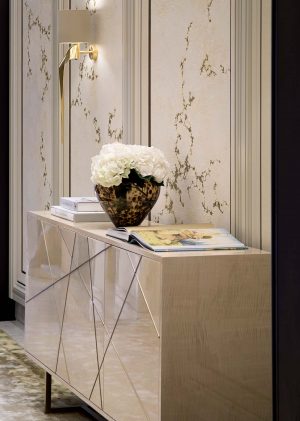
(49, 256)
(60, 311)
(131, 365)
(93, 319)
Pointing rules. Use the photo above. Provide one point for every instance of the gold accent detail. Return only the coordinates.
(93, 52)
(73, 53)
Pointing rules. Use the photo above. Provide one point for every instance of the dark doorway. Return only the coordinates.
(285, 209)
(6, 305)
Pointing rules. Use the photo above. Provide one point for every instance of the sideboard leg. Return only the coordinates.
(48, 385)
(83, 408)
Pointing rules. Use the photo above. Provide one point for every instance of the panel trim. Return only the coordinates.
(135, 71)
(266, 125)
(56, 171)
(247, 144)
(17, 276)
(15, 184)
(63, 151)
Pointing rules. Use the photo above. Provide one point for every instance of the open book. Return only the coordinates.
(178, 238)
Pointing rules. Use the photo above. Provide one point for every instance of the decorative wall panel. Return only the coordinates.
(190, 108)
(37, 108)
(96, 94)
(190, 104)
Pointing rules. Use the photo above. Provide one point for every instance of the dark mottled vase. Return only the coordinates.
(129, 203)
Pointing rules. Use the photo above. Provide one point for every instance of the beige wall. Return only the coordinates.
(96, 94)
(190, 108)
(96, 98)
(190, 103)
(37, 108)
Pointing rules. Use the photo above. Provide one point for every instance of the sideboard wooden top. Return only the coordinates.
(97, 230)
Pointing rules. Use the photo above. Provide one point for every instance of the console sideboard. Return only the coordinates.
(143, 336)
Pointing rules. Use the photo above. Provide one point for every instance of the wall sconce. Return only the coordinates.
(74, 27)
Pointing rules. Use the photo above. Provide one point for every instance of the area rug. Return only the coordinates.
(22, 388)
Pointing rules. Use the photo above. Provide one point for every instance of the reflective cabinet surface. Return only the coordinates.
(144, 336)
(93, 318)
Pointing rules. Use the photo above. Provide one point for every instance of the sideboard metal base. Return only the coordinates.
(83, 408)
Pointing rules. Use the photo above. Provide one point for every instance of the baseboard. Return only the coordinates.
(20, 312)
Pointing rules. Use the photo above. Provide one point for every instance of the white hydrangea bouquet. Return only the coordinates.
(127, 180)
(117, 162)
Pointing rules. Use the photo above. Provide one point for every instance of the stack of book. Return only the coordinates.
(80, 209)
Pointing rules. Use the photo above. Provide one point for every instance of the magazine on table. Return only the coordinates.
(178, 238)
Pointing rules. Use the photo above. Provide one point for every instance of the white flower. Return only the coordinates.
(116, 160)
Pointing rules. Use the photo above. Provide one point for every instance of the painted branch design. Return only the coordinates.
(185, 176)
(45, 35)
(206, 68)
(115, 135)
(224, 69)
(44, 70)
(87, 73)
(97, 130)
(209, 5)
(46, 181)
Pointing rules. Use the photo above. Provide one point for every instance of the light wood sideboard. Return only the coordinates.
(143, 336)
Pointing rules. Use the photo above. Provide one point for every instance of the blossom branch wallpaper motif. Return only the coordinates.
(191, 108)
(46, 181)
(44, 31)
(37, 108)
(38, 29)
(96, 94)
(115, 134)
(190, 111)
(209, 6)
(88, 74)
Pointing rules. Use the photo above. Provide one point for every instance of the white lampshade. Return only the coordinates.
(75, 26)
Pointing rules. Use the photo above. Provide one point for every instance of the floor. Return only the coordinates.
(15, 330)
(21, 385)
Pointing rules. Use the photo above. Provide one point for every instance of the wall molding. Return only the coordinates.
(61, 151)
(249, 171)
(135, 71)
(16, 276)
(57, 152)
(250, 121)
(266, 125)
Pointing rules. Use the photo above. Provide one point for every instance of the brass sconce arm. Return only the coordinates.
(74, 27)
(73, 53)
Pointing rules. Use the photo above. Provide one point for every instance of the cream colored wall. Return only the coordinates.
(190, 93)
(190, 108)
(37, 108)
(96, 94)
(202, 39)
(190, 103)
